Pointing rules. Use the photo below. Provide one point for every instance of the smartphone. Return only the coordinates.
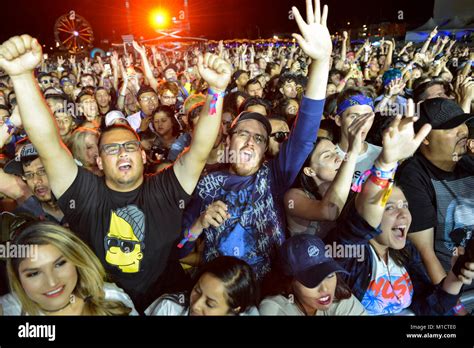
(376, 43)
(468, 256)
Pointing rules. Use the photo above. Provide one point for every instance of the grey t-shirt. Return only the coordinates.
(280, 305)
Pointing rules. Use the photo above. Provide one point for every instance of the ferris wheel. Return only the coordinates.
(73, 33)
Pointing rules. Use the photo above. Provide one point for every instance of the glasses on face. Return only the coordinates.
(46, 81)
(114, 148)
(127, 246)
(31, 175)
(245, 135)
(148, 99)
(280, 136)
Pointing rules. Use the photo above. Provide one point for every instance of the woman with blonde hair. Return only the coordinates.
(59, 275)
(83, 144)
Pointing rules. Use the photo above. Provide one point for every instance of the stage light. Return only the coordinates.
(159, 18)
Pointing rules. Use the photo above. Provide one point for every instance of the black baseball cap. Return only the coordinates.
(248, 115)
(304, 258)
(26, 154)
(441, 113)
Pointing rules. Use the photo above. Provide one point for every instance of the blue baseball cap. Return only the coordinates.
(303, 257)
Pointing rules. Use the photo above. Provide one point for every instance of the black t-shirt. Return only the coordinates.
(133, 232)
(442, 200)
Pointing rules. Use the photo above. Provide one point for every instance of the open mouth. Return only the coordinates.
(400, 232)
(246, 156)
(124, 166)
(324, 301)
(41, 191)
(56, 292)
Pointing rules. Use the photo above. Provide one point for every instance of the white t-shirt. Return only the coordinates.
(365, 161)
(166, 306)
(280, 305)
(12, 306)
(135, 120)
(390, 290)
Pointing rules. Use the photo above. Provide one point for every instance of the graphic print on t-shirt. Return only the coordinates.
(390, 289)
(459, 221)
(124, 243)
(455, 213)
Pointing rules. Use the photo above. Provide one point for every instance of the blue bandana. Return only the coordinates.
(358, 99)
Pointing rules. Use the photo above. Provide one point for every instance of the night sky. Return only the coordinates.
(213, 19)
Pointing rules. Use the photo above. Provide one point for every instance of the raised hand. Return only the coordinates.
(399, 139)
(114, 59)
(315, 39)
(252, 50)
(140, 49)
(61, 61)
(358, 126)
(72, 60)
(20, 55)
(344, 35)
(395, 87)
(215, 71)
(434, 32)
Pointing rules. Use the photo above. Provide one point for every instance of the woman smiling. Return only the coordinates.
(63, 277)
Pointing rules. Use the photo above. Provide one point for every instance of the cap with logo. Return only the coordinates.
(304, 258)
(27, 153)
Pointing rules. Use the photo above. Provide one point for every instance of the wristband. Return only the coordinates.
(215, 95)
(381, 174)
(378, 173)
(382, 183)
(186, 238)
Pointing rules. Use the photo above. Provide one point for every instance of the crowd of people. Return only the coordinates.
(322, 177)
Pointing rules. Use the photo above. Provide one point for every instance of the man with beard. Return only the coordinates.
(29, 167)
(438, 184)
(130, 221)
(239, 209)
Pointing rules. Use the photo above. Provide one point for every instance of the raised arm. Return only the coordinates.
(315, 41)
(428, 40)
(18, 58)
(146, 65)
(329, 208)
(399, 142)
(216, 72)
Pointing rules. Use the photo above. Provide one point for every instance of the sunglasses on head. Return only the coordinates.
(280, 136)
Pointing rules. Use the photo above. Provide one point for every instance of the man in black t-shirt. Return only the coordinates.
(438, 183)
(131, 221)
